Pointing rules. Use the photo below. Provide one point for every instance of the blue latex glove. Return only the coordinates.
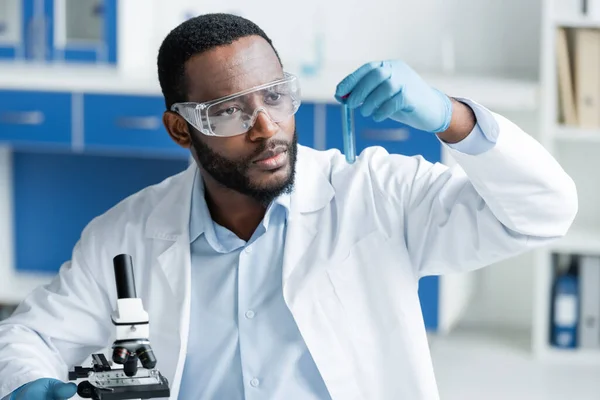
(44, 389)
(391, 89)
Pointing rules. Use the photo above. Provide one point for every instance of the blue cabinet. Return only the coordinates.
(59, 30)
(56, 195)
(38, 119)
(107, 123)
(127, 123)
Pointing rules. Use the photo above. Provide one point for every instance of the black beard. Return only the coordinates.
(234, 174)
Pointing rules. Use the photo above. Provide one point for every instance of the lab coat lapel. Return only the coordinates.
(176, 264)
(314, 310)
(312, 192)
(168, 227)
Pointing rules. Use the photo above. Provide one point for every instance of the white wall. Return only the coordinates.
(503, 295)
(6, 215)
(488, 35)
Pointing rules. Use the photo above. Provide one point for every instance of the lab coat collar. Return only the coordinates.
(170, 218)
(312, 190)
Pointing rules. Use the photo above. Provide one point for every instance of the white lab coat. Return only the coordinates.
(359, 238)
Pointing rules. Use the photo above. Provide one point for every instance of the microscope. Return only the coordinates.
(130, 348)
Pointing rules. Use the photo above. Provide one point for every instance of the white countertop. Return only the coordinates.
(496, 92)
(15, 286)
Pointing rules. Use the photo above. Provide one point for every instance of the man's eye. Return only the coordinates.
(273, 97)
(227, 111)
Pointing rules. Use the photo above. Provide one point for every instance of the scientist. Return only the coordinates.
(275, 271)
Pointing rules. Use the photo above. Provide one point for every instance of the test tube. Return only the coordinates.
(348, 133)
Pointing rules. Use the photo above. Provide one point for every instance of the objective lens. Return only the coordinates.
(131, 366)
(120, 355)
(146, 356)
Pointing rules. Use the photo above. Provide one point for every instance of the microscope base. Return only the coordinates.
(105, 383)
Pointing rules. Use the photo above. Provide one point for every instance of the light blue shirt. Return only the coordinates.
(243, 341)
(483, 136)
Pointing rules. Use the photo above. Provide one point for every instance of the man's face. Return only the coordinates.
(261, 162)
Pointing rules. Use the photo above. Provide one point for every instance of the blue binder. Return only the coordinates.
(565, 308)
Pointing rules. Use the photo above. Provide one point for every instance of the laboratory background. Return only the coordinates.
(81, 129)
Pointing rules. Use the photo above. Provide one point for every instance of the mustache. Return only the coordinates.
(266, 146)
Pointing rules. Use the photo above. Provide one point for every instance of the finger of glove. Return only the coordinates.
(349, 82)
(447, 111)
(36, 390)
(393, 105)
(60, 390)
(372, 81)
(385, 91)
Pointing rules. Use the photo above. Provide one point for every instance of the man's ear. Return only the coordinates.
(177, 128)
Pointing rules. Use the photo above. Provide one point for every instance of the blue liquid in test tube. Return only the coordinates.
(348, 133)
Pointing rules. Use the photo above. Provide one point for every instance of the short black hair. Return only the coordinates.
(193, 37)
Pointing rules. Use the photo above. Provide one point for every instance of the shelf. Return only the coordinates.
(574, 134)
(579, 241)
(577, 22)
(570, 356)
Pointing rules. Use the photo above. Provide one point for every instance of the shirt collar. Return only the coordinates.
(201, 220)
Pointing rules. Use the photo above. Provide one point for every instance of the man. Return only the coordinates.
(274, 271)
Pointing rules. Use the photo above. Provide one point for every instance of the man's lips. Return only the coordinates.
(272, 160)
(269, 154)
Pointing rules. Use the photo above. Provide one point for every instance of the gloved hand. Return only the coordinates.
(391, 89)
(44, 389)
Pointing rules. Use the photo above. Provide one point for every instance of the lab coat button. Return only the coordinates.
(248, 250)
(254, 382)
(249, 314)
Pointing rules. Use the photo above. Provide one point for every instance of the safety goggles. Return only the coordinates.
(235, 114)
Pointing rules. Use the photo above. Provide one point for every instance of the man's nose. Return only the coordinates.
(263, 127)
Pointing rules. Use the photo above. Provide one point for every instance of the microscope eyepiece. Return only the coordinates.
(123, 266)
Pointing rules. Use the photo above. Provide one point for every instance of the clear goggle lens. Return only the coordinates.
(236, 114)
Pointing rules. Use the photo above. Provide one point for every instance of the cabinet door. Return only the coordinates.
(83, 30)
(13, 14)
(56, 195)
(128, 124)
(35, 119)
